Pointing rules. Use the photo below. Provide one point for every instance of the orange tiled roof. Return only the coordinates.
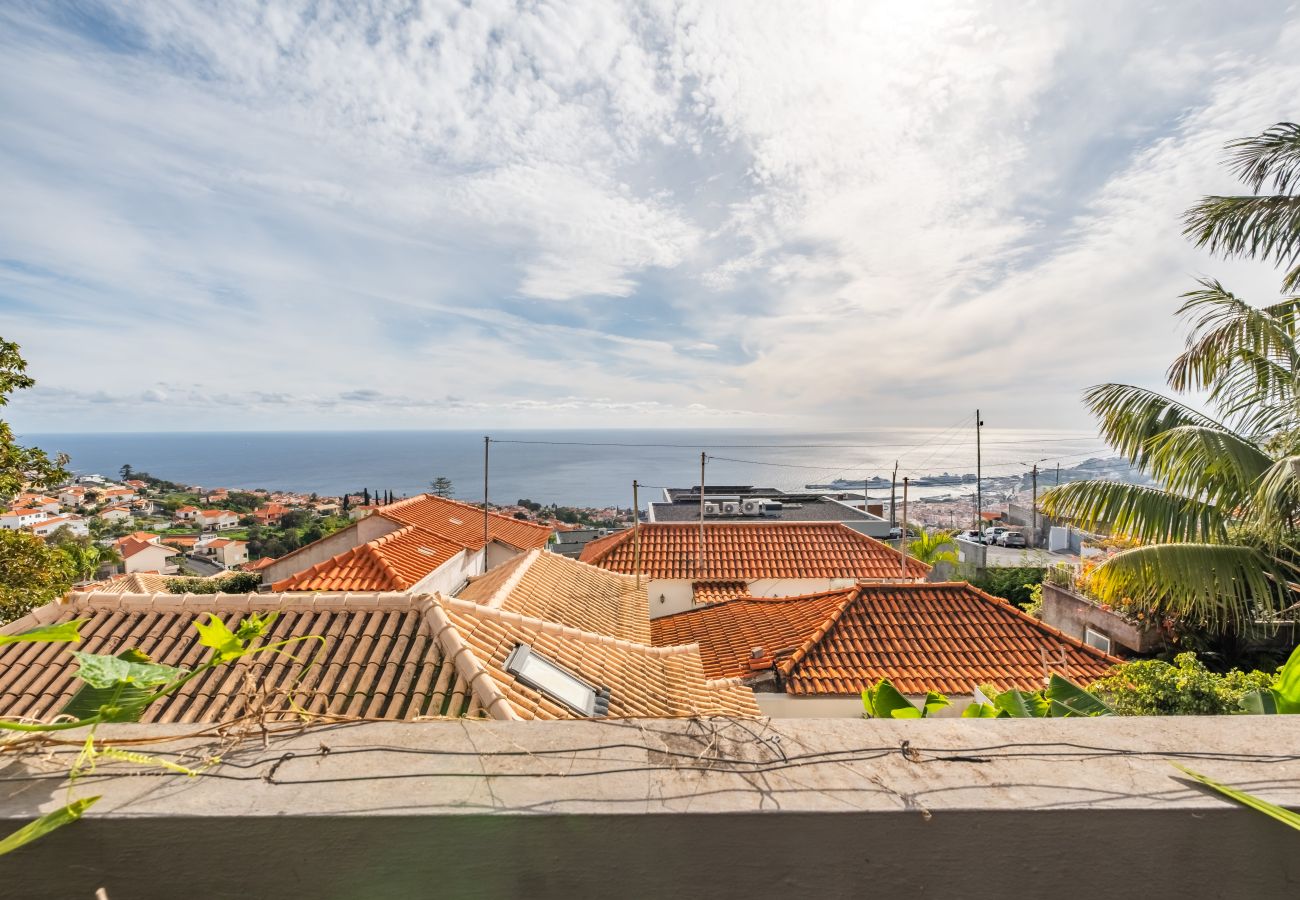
(742, 551)
(715, 591)
(258, 564)
(395, 562)
(463, 523)
(729, 631)
(387, 657)
(129, 547)
(947, 637)
(552, 587)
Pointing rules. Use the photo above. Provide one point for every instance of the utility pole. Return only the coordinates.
(487, 442)
(1058, 474)
(893, 482)
(979, 479)
(1034, 535)
(699, 553)
(636, 532)
(902, 539)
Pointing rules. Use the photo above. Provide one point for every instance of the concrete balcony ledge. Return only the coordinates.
(717, 808)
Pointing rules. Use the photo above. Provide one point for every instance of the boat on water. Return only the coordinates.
(841, 484)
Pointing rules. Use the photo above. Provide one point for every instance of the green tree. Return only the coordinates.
(127, 472)
(441, 486)
(1218, 534)
(934, 547)
(84, 557)
(22, 467)
(32, 574)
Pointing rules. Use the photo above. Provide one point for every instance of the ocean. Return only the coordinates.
(569, 467)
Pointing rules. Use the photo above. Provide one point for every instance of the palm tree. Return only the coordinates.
(1221, 534)
(1265, 226)
(84, 559)
(934, 547)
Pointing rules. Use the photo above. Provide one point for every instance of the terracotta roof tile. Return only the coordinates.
(463, 523)
(749, 551)
(387, 656)
(548, 586)
(716, 591)
(395, 562)
(946, 637)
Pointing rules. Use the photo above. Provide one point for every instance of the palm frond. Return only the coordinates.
(1212, 463)
(1274, 154)
(1130, 416)
(1225, 326)
(1277, 498)
(1265, 227)
(1222, 585)
(1144, 513)
(1257, 395)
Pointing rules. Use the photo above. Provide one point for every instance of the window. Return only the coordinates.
(1096, 639)
(539, 673)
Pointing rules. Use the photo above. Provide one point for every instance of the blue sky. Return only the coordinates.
(236, 216)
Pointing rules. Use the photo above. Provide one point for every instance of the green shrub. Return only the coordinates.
(234, 583)
(1153, 687)
(1012, 583)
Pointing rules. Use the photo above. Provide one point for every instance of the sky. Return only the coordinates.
(237, 216)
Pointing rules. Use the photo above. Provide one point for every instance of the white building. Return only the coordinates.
(143, 556)
(75, 525)
(227, 552)
(14, 519)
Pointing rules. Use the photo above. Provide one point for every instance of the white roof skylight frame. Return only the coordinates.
(543, 675)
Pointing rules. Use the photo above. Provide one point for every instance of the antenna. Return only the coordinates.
(699, 560)
(636, 532)
(902, 538)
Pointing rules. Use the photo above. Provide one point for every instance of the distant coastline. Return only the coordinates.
(579, 467)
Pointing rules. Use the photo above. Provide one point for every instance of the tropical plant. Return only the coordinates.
(1061, 698)
(1219, 533)
(934, 547)
(885, 702)
(1014, 583)
(1282, 696)
(85, 557)
(1153, 687)
(1250, 801)
(1264, 226)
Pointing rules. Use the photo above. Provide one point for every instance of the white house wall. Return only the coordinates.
(674, 595)
(451, 575)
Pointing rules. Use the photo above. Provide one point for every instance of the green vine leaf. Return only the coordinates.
(224, 642)
(63, 632)
(117, 688)
(45, 824)
(131, 667)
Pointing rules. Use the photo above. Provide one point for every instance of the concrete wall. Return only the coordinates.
(823, 808)
(677, 595)
(360, 532)
(498, 553)
(451, 576)
(1073, 614)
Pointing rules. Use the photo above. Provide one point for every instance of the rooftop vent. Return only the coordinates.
(455, 521)
(427, 551)
(561, 685)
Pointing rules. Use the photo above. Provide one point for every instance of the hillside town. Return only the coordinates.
(550, 450)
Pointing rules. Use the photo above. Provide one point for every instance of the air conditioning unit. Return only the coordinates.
(752, 507)
(731, 508)
(712, 509)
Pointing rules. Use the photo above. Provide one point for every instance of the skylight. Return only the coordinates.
(539, 673)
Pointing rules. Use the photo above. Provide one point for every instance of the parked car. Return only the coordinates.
(972, 535)
(897, 532)
(1012, 539)
(994, 532)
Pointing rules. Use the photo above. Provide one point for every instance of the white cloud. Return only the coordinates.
(610, 213)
